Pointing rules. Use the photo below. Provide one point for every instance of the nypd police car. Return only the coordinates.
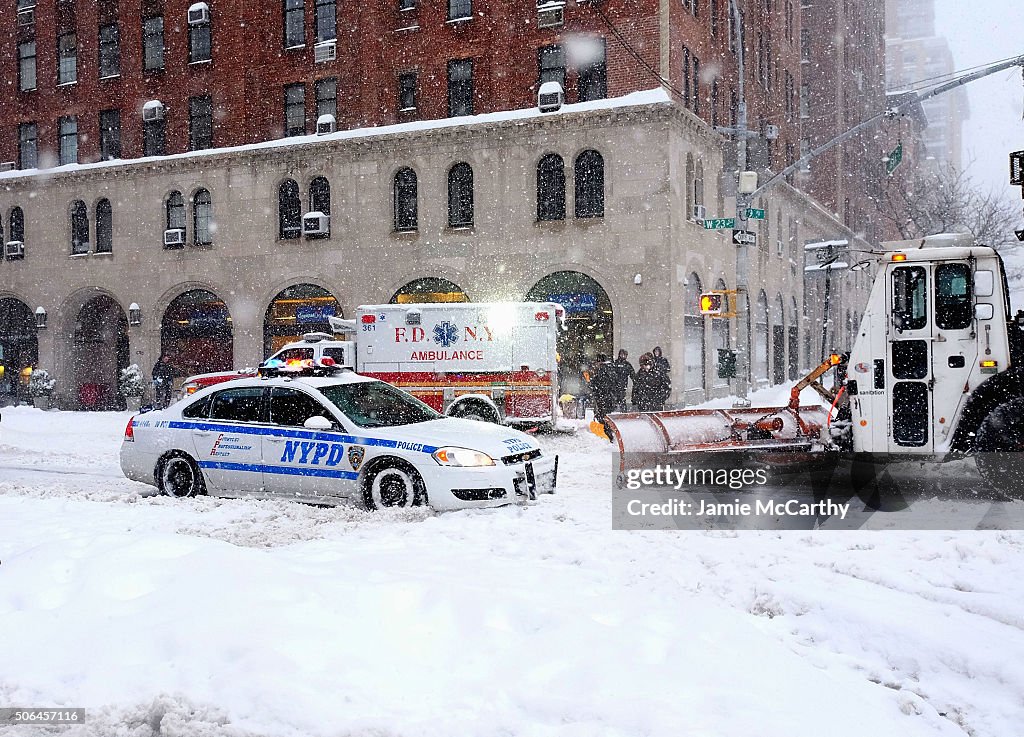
(330, 437)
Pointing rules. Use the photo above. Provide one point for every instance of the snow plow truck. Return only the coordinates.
(936, 373)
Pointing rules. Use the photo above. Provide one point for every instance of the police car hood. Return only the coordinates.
(496, 441)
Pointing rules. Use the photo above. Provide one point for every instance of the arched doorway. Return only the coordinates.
(100, 351)
(778, 341)
(299, 309)
(197, 334)
(429, 289)
(588, 322)
(19, 349)
(694, 352)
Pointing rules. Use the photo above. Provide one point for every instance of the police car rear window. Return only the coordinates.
(376, 404)
(198, 409)
(237, 405)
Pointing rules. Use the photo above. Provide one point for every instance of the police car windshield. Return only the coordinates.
(376, 404)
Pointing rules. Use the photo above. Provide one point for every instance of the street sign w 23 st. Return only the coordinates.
(744, 237)
(719, 224)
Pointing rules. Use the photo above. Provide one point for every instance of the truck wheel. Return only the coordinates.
(394, 485)
(474, 411)
(1000, 448)
(177, 475)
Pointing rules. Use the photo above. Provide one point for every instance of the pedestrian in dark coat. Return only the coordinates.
(660, 362)
(624, 373)
(163, 381)
(603, 386)
(651, 387)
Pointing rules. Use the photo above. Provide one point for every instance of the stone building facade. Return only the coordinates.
(647, 257)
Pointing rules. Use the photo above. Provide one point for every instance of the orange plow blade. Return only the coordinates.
(774, 434)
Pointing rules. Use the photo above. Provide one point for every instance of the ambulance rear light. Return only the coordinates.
(899, 257)
(542, 316)
(368, 319)
(129, 432)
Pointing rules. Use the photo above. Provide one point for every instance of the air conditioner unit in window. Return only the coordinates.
(550, 97)
(316, 223)
(26, 17)
(14, 250)
(153, 110)
(198, 14)
(550, 15)
(326, 124)
(174, 238)
(699, 213)
(325, 51)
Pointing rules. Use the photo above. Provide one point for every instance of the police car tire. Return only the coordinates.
(178, 475)
(394, 485)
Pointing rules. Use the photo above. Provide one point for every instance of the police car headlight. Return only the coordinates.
(462, 457)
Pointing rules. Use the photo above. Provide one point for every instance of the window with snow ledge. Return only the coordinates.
(406, 206)
(404, 5)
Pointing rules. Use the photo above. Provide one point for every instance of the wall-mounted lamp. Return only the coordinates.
(638, 279)
(40, 318)
(134, 314)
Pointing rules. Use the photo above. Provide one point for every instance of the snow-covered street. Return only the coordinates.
(235, 617)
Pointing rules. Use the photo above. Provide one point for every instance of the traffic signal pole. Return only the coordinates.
(741, 133)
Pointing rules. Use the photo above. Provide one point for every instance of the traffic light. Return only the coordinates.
(712, 303)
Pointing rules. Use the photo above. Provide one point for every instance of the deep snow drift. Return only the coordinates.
(233, 617)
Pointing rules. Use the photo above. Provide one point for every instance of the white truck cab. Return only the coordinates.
(936, 336)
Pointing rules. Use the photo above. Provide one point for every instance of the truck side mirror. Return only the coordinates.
(983, 311)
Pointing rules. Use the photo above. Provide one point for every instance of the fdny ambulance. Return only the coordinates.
(495, 362)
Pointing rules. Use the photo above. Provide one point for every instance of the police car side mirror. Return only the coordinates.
(318, 422)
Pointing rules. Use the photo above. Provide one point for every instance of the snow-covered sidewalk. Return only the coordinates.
(235, 617)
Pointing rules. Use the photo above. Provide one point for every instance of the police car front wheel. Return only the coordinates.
(394, 486)
(178, 476)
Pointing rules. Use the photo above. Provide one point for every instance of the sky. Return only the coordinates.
(981, 31)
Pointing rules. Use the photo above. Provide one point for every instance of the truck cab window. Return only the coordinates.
(909, 298)
(953, 299)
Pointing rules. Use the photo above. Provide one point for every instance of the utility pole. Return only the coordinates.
(742, 255)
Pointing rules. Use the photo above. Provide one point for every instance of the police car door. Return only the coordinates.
(298, 462)
(228, 444)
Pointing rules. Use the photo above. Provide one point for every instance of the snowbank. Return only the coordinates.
(233, 617)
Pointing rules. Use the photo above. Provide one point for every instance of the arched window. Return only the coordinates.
(721, 340)
(405, 200)
(320, 195)
(694, 357)
(289, 211)
(202, 217)
(698, 185)
(589, 185)
(551, 188)
(17, 229)
(760, 352)
(460, 195)
(793, 341)
(104, 227)
(175, 211)
(79, 227)
(778, 331)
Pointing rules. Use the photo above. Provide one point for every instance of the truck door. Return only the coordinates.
(955, 345)
(910, 375)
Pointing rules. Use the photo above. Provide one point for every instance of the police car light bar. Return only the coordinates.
(326, 366)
